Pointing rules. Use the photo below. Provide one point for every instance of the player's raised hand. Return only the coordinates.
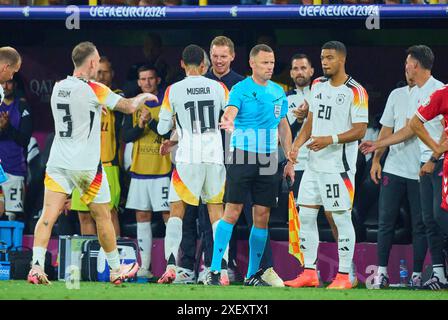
(375, 172)
(318, 143)
(131, 105)
(142, 98)
(227, 124)
(367, 147)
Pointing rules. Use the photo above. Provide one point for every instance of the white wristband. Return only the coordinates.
(335, 138)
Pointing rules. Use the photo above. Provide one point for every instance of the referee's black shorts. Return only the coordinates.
(242, 178)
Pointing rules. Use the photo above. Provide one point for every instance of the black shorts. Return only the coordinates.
(254, 178)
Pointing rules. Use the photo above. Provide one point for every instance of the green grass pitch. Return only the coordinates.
(20, 290)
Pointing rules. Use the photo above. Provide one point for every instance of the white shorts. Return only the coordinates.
(92, 184)
(13, 193)
(335, 191)
(190, 182)
(149, 194)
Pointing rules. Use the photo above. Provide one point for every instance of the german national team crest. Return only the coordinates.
(340, 99)
(277, 110)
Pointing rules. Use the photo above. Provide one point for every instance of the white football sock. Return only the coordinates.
(309, 236)
(39, 256)
(346, 239)
(113, 259)
(173, 237)
(439, 272)
(382, 270)
(144, 236)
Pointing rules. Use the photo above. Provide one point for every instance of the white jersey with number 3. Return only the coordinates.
(196, 103)
(335, 109)
(76, 107)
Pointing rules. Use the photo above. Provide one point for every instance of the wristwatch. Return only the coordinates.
(433, 159)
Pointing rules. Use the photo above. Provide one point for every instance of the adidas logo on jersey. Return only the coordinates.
(18, 206)
(336, 203)
(344, 249)
(319, 96)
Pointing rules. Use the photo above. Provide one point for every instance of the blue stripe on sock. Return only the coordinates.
(222, 238)
(257, 242)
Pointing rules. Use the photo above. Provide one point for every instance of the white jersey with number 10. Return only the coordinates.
(196, 103)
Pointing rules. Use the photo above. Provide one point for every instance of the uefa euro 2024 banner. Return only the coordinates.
(225, 12)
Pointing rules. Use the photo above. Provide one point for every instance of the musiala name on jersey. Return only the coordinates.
(205, 90)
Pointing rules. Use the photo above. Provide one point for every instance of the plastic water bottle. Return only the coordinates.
(403, 273)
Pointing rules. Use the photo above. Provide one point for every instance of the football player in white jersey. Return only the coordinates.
(195, 102)
(337, 119)
(301, 73)
(74, 160)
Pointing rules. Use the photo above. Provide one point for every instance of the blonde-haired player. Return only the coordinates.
(74, 159)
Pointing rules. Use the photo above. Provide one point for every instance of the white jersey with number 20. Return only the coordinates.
(335, 110)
